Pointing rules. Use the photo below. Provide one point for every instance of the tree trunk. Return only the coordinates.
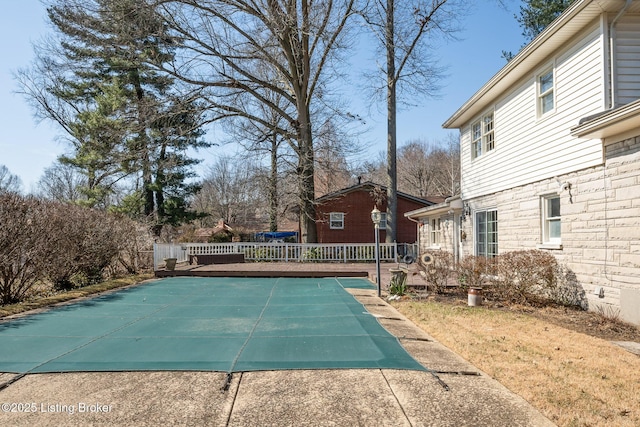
(273, 185)
(308, 232)
(392, 174)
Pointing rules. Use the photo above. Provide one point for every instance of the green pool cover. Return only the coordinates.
(206, 324)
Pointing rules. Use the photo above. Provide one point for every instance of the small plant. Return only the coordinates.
(312, 254)
(398, 285)
(262, 254)
(608, 313)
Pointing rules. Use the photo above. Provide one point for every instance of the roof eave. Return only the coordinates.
(553, 37)
(611, 123)
(451, 204)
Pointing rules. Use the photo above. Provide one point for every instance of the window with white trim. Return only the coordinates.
(482, 136)
(487, 233)
(336, 220)
(383, 221)
(551, 219)
(435, 231)
(546, 97)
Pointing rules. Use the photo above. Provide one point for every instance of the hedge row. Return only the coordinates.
(530, 277)
(62, 245)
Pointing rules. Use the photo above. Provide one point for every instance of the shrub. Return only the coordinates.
(64, 245)
(438, 273)
(24, 252)
(132, 239)
(84, 243)
(474, 271)
(525, 277)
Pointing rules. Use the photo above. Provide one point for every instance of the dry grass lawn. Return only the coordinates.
(573, 378)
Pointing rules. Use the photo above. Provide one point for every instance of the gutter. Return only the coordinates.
(609, 123)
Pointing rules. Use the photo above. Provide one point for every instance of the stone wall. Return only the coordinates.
(600, 226)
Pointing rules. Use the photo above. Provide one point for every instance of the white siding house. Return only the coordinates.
(550, 154)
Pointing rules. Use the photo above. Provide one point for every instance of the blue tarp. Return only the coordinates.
(269, 235)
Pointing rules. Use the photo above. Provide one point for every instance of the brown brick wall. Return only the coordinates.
(358, 228)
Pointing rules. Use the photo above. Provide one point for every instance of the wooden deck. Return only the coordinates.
(289, 269)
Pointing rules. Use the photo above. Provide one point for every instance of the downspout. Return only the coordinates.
(612, 88)
(455, 238)
(612, 36)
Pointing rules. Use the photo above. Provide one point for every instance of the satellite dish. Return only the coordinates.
(426, 259)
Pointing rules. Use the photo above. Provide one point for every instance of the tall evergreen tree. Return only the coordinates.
(123, 118)
(536, 15)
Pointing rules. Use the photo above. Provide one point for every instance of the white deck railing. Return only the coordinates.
(162, 251)
(283, 252)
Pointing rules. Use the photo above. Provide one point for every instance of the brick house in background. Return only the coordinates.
(344, 216)
(550, 156)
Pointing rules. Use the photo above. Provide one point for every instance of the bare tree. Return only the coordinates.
(447, 178)
(425, 168)
(229, 192)
(332, 168)
(63, 183)
(404, 31)
(244, 51)
(8, 181)
(260, 141)
(417, 167)
(430, 168)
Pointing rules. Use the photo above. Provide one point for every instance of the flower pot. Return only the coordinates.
(170, 263)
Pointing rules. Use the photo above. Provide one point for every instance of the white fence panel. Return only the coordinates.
(281, 252)
(161, 251)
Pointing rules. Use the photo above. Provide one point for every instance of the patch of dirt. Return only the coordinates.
(606, 326)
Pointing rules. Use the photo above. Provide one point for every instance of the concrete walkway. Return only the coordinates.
(454, 394)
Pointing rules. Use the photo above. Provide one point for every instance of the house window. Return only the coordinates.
(476, 140)
(546, 102)
(435, 231)
(336, 220)
(551, 219)
(383, 221)
(482, 136)
(487, 233)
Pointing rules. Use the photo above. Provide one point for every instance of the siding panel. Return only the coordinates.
(530, 148)
(627, 59)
